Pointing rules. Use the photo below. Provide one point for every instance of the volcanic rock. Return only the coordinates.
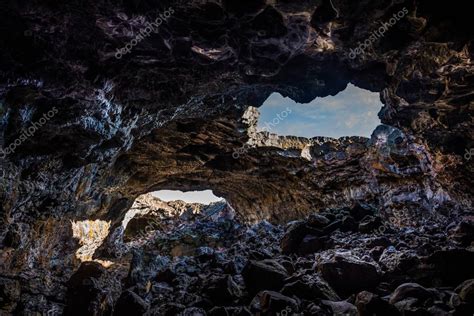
(453, 266)
(264, 275)
(348, 275)
(222, 289)
(273, 303)
(310, 288)
(410, 290)
(341, 308)
(130, 303)
(466, 291)
(371, 304)
(119, 112)
(85, 296)
(9, 294)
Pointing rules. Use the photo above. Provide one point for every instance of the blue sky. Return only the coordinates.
(352, 112)
(204, 197)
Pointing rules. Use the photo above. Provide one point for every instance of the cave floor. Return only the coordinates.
(348, 261)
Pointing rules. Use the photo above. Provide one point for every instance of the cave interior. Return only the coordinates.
(104, 102)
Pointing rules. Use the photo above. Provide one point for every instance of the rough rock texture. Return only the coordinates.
(170, 115)
(230, 268)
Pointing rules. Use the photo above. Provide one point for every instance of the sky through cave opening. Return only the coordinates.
(203, 197)
(352, 112)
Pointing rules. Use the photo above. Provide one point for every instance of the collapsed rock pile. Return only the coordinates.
(335, 262)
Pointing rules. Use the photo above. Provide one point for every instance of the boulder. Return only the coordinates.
(311, 244)
(317, 221)
(464, 232)
(348, 275)
(311, 288)
(294, 234)
(359, 210)
(466, 291)
(85, 296)
(9, 293)
(348, 224)
(410, 290)
(222, 289)
(341, 308)
(453, 266)
(274, 303)
(369, 223)
(369, 304)
(129, 303)
(166, 275)
(264, 275)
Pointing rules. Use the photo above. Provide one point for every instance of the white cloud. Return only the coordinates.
(351, 112)
(204, 197)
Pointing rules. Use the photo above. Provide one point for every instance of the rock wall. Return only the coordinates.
(83, 132)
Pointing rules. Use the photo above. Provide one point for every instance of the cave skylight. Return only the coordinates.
(352, 112)
(203, 197)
